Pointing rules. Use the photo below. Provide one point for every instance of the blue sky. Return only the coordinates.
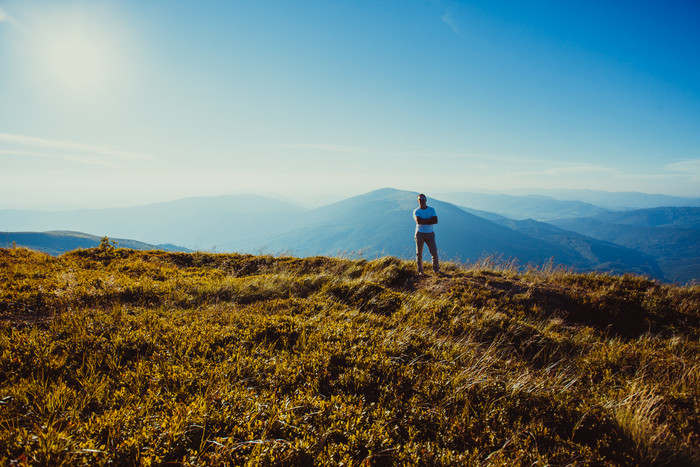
(129, 102)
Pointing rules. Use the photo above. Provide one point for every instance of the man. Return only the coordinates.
(425, 218)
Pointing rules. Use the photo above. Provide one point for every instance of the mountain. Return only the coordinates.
(603, 255)
(380, 223)
(671, 235)
(660, 242)
(616, 201)
(677, 217)
(59, 242)
(202, 223)
(536, 207)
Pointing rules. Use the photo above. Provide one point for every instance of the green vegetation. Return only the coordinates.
(112, 356)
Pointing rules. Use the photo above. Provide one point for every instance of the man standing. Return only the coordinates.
(425, 218)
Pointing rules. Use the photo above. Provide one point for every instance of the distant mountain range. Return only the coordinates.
(659, 242)
(563, 204)
(201, 223)
(616, 201)
(542, 208)
(671, 235)
(380, 223)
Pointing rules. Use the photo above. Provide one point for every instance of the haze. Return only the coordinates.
(123, 103)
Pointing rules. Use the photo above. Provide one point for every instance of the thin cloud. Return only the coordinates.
(688, 167)
(65, 157)
(95, 149)
(493, 157)
(6, 18)
(568, 170)
(412, 154)
(448, 20)
(653, 177)
(322, 147)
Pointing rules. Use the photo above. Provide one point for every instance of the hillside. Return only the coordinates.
(379, 223)
(670, 234)
(616, 201)
(542, 208)
(201, 223)
(678, 217)
(602, 255)
(119, 357)
(59, 242)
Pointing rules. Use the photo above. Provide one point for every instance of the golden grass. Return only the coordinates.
(121, 357)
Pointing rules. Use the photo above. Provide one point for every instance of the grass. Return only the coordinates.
(111, 356)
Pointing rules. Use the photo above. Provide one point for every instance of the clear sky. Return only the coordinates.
(116, 103)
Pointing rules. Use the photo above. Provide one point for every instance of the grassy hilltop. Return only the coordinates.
(124, 357)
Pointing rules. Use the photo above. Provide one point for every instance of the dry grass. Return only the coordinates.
(122, 357)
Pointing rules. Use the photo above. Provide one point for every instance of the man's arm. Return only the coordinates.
(428, 221)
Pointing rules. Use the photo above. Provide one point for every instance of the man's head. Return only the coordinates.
(422, 200)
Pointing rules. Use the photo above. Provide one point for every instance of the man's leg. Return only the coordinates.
(419, 251)
(432, 246)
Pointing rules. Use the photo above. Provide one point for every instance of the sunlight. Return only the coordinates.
(77, 52)
(77, 61)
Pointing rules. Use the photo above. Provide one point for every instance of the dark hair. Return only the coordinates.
(422, 196)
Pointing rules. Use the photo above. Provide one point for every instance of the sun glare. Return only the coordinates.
(77, 62)
(77, 52)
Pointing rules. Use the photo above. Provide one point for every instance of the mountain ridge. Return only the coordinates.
(379, 223)
(650, 231)
(460, 235)
(57, 242)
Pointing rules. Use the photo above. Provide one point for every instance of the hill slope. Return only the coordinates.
(678, 217)
(380, 223)
(619, 201)
(120, 357)
(59, 242)
(542, 208)
(201, 223)
(603, 256)
(669, 234)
